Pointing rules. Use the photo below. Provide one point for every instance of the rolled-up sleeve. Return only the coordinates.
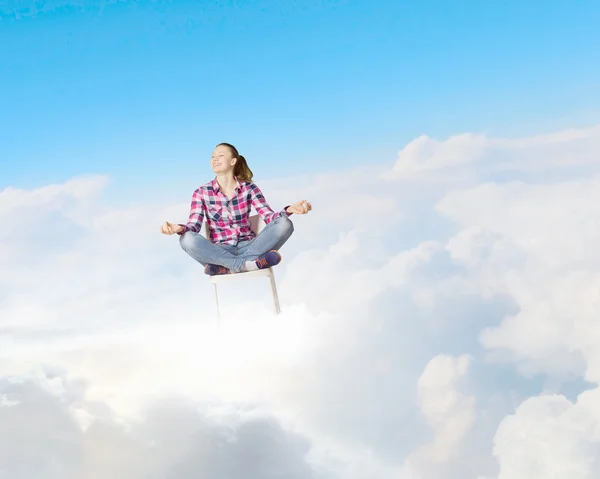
(196, 217)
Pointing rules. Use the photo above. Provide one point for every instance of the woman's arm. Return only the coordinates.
(262, 207)
(197, 209)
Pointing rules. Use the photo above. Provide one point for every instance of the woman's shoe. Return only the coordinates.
(215, 269)
(269, 259)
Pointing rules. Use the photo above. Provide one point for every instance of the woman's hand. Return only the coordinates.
(170, 228)
(300, 208)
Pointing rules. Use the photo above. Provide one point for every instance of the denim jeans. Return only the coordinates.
(272, 237)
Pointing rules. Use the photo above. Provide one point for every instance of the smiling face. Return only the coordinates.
(222, 161)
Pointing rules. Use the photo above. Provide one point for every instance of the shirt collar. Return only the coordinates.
(216, 187)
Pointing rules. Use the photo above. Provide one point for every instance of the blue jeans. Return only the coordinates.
(272, 237)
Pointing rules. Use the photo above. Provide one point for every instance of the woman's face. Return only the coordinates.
(222, 160)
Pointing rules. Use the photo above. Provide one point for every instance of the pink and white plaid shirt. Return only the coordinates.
(228, 219)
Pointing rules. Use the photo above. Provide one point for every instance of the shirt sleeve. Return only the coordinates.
(262, 207)
(196, 218)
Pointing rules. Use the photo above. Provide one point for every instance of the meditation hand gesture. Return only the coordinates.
(300, 208)
(170, 228)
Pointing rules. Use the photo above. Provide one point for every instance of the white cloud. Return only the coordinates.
(472, 155)
(42, 437)
(426, 153)
(536, 244)
(393, 298)
(548, 436)
(133, 315)
(448, 411)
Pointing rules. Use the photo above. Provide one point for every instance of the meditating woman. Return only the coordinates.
(225, 203)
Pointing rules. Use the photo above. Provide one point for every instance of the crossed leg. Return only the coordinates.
(272, 237)
(207, 252)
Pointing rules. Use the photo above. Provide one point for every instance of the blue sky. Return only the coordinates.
(142, 91)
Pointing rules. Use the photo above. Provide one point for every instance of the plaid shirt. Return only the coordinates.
(228, 219)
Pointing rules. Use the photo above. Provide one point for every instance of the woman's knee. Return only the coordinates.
(192, 244)
(187, 241)
(285, 225)
(282, 227)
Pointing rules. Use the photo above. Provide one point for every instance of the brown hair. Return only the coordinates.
(241, 169)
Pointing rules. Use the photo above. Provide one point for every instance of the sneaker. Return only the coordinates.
(268, 259)
(215, 269)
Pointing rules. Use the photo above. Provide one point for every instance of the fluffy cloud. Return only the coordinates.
(133, 316)
(536, 245)
(548, 436)
(56, 433)
(449, 412)
(476, 155)
(426, 324)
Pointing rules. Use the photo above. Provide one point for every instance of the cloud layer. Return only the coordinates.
(439, 322)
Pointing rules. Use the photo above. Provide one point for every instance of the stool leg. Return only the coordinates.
(217, 301)
(274, 292)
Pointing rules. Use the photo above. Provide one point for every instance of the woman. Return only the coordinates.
(224, 203)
